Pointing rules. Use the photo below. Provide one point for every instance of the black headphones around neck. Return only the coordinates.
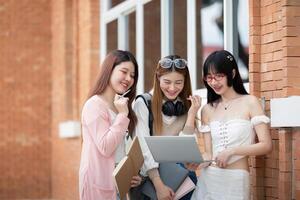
(170, 108)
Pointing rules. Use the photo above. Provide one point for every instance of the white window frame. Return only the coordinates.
(230, 27)
(120, 12)
(167, 36)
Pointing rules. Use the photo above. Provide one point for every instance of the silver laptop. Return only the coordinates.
(174, 148)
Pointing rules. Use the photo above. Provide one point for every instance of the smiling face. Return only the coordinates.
(217, 81)
(122, 77)
(171, 84)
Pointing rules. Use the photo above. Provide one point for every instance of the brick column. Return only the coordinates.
(257, 163)
(296, 164)
(291, 86)
(285, 164)
(274, 73)
(75, 60)
(25, 102)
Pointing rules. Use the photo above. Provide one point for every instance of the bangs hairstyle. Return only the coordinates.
(158, 95)
(113, 59)
(222, 62)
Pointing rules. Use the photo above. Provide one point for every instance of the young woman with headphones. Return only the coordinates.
(174, 110)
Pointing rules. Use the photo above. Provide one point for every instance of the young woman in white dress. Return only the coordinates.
(231, 120)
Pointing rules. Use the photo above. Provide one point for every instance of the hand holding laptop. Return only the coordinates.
(191, 166)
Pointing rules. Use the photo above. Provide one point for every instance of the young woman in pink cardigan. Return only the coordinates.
(105, 124)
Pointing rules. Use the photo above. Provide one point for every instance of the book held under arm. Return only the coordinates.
(128, 167)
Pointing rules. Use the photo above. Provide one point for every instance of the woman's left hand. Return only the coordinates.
(223, 157)
(195, 104)
(136, 181)
(191, 166)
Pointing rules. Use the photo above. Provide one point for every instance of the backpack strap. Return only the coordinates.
(147, 100)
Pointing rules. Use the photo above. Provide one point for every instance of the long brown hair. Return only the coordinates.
(113, 59)
(158, 95)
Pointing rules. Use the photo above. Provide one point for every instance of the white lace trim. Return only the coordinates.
(204, 128)
(260, 119)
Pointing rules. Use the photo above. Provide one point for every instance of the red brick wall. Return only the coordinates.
(49, 58)
(25, 103)
(274, 73)
(75, 53)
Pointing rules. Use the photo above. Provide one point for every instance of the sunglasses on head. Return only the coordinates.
(167, 63)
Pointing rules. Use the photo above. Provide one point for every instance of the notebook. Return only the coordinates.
(172, 175)
(187, 186)
(128, 167)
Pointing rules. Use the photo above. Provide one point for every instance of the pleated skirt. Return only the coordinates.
(222, 184)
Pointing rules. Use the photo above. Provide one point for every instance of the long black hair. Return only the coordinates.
(222, 62)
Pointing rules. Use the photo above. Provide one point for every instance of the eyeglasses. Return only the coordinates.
(217, 77)
(167, 63)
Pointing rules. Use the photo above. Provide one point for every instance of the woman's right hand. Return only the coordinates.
(195, 104)
(136, 181)
(163, 192)
(206, 157)
(121, 104)
(191, 166)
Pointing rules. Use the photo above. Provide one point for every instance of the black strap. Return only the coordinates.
(147, 100)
